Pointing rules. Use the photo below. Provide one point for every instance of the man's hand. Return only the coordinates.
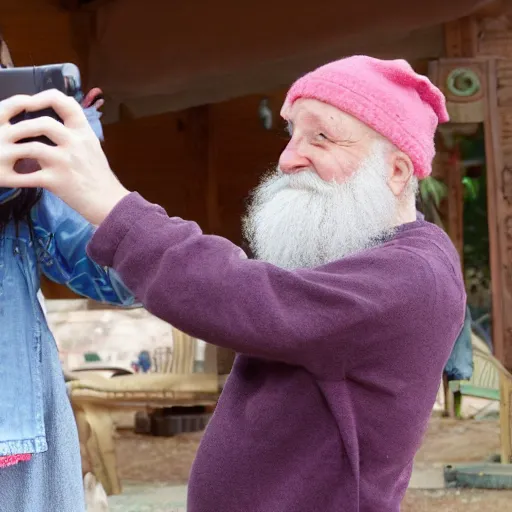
(76, 169)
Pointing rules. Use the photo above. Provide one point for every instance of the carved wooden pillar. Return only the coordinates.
(460, 41)
(470, 86)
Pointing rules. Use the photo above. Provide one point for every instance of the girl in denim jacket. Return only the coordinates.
(40, 467)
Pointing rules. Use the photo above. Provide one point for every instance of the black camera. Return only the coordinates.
(30, 81)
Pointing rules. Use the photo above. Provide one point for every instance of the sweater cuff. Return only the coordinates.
(104, 244)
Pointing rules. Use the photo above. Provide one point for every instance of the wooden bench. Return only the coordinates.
(174, 380)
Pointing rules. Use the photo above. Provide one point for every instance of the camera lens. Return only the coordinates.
(72, 88)
(70, 85)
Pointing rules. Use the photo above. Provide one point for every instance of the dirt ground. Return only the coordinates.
(152, 459)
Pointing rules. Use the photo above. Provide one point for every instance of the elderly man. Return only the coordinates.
(344, 322)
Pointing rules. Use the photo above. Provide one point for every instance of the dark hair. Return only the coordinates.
(18, 209)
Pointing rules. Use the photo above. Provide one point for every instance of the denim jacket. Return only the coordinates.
(460, 363)
(57, 248)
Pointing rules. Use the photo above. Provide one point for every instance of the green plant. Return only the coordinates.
(476, 229)
(432, 192)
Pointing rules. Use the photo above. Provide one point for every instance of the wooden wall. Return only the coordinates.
(165, 158)
(241, 150)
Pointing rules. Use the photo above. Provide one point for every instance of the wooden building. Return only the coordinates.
(186, 84)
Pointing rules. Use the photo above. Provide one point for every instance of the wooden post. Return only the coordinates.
(455, 200)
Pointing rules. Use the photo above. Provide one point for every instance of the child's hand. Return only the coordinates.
(76, 169)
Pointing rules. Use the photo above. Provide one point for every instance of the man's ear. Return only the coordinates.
(5, 54)
(401, 172)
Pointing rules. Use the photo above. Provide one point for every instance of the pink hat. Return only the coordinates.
(386, 95)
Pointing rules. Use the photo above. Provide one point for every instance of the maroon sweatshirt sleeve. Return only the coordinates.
(320, 318)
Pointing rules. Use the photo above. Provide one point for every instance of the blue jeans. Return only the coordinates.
(50, 481)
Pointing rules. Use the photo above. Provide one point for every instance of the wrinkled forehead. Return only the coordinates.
(313, 112)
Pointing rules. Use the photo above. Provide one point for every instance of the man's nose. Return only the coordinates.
(291, 159)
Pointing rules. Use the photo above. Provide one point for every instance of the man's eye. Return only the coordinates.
(322, 137)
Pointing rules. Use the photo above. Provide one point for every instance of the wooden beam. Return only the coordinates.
(75, 5)
(461, 37)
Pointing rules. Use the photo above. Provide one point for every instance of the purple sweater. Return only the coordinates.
(338, 366)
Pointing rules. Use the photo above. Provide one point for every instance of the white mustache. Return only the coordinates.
(306, 179)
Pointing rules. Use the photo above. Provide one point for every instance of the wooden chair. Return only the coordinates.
(484, 382)
(504, 378)
(171, 383)
(492, 381)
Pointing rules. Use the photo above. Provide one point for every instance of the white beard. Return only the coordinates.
(299, 220)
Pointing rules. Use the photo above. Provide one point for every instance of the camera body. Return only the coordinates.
(32, 80)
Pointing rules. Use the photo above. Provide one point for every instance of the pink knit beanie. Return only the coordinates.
(386, 95)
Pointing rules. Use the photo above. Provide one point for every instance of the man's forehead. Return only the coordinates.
(314, 111)
(308, 106)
